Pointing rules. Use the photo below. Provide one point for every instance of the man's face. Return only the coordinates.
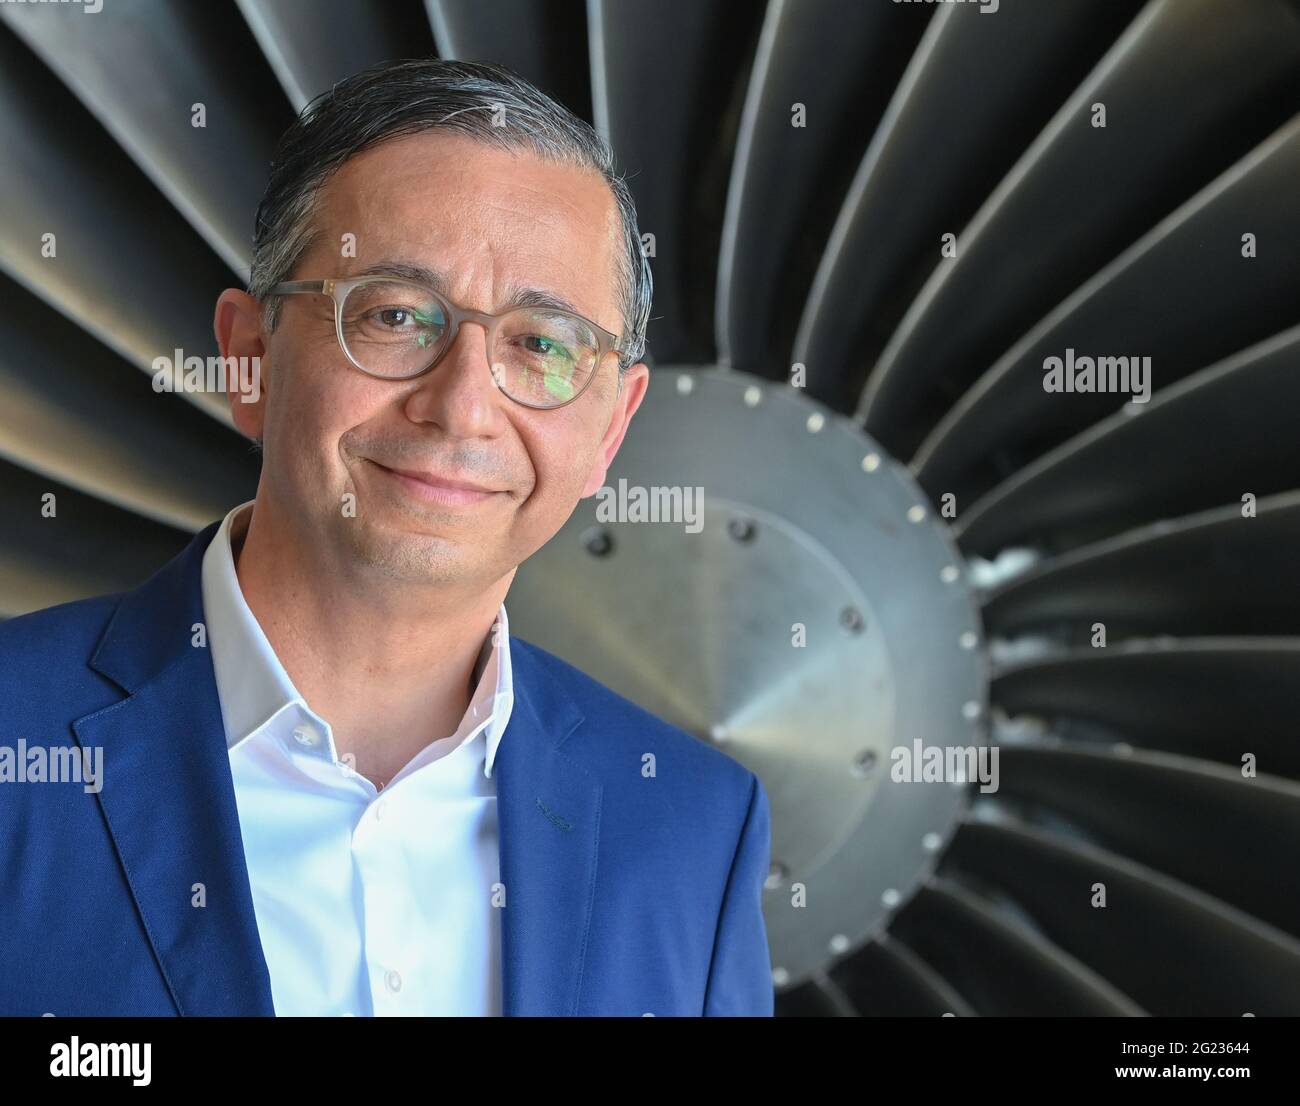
(492, 222)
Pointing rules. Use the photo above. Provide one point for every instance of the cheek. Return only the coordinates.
(562, 463)
(316, 404)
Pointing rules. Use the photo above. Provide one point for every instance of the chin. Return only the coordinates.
(406, 555)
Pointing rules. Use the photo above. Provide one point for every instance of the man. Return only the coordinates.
(332, 783)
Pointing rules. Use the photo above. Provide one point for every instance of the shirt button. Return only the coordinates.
(380, 807)
(392, 981)
(306, 736)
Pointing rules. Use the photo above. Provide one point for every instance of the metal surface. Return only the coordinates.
(127, 268)
(1167, 297)
(1168, 947)
(1219, 699)
(692, 54)
(1006, 967)
(804, 522)
(888, 978)
(212, 175)
(839, 67)
(1231, 425)
(99, 427)
(888, 232)
(1204, 824)
(1079, 195)
(310, 46)
(75, 552)
(1137, 584)
(541, 40)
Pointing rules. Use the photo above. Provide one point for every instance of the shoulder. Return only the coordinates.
(625, 741)
(44, 656)
(78, 621)
(67, 625)
(680, 822)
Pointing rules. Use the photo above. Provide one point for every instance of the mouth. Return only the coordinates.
(432, 488)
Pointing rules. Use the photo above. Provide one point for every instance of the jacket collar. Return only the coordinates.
(168, 798)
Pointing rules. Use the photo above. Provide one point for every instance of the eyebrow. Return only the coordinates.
(437, 280)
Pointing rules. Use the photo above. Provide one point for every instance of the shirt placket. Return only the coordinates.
(378, 859)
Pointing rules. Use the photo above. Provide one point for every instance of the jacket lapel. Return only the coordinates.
(548, 809)
(168, 796)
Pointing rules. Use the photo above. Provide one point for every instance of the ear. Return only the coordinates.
(635, 380)
(237, 325)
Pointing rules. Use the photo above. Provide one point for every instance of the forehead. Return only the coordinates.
(493, 219)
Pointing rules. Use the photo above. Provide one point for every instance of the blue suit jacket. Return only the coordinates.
(626, 895)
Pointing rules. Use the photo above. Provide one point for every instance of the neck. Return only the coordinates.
(389, 665)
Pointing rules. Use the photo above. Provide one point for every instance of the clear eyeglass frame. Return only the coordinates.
(339, 288)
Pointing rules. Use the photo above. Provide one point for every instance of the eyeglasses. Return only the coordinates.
(396, 329)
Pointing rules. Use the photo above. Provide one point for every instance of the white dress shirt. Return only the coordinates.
(366, 902)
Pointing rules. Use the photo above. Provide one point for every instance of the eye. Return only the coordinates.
(546, 347)
(394, 317)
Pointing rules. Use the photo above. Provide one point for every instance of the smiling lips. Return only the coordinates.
(437, 489)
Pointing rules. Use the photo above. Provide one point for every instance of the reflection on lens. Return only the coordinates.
(392, 328)
(547, 357)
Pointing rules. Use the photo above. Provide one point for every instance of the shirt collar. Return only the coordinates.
(253, 686)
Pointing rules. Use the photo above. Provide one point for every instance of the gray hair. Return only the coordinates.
(405, 97)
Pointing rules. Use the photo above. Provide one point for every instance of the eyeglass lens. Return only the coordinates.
(396, 329)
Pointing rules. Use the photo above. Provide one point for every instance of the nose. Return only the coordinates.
(459, 393)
